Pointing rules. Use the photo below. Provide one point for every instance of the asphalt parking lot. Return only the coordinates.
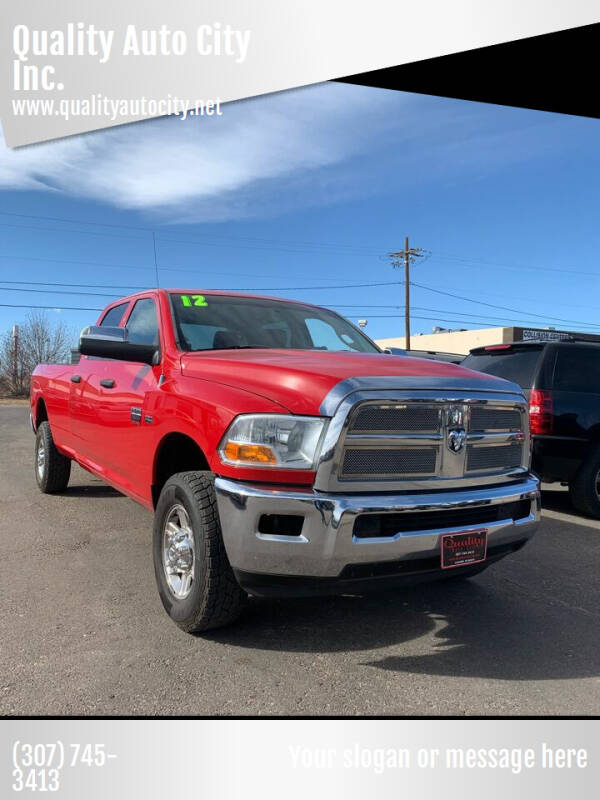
(82, 630)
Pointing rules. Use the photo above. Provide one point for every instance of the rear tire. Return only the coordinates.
(52, 469)
(195, 581)
(584, 488)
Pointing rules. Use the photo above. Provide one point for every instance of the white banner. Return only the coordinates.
(299, 759)
(70, 67)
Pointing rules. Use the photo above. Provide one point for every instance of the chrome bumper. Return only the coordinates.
(326, 544)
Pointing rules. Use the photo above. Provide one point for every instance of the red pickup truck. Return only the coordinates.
(282, 452)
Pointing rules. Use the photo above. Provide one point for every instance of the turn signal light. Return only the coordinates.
(541, 412)
(249, 453)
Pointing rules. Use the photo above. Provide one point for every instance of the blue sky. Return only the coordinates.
(311, 188)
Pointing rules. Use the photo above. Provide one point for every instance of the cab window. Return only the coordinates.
(143, 322)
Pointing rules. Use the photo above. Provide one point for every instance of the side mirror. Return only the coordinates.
(108, 342)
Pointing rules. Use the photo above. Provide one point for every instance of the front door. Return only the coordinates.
(123, 421)
(84, 398)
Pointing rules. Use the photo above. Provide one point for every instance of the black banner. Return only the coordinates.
(553, 72)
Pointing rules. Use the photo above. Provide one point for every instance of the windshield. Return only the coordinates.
(218, 322)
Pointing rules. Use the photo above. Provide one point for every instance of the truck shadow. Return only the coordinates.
(482, 634)
(467, 629)
(495, 626)
(101, 490)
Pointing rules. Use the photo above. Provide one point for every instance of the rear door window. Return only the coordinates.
(113, 316)
(516, 365)
(577, 369)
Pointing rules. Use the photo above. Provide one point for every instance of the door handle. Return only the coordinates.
(108, 383)
(75, 378)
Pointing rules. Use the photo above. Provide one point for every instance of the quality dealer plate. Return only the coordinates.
(461, 549)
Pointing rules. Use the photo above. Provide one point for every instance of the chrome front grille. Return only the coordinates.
(450, 439)
(503, 456)
(389, 461)
(395, 419)
(494, 419)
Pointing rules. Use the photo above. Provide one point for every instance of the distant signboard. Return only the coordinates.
(545, 336)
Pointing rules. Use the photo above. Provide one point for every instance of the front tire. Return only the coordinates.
(195, 581)
(52, 469)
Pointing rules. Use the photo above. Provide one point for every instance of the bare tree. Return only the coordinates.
(39, 341)
(42, 342)
(13, 378)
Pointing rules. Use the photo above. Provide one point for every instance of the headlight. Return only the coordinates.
(272, 440)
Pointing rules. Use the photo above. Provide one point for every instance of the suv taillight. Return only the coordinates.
(541, 411)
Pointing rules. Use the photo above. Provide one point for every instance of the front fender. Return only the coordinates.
(203, 410)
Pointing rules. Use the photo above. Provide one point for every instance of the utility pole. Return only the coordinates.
(406, 257)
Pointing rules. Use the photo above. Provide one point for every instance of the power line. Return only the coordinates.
(76, 262)
(255, 244)
(382, 316)
(254, 289)
(497, 294)
(57, 291)
(342, 248)
(85, 233)
(493, 305)
(488, 319)
(52, 308)
(164, 268)
(376, 316)
(286, 246)
(73, 221)
(16, 286)
(434, 319)
(77, 285)
(229, 243)
(474, 262)
(299, 246)
(499, 321)
(526, 314)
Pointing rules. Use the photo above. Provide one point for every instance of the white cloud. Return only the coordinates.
(183, 168)
(268, 155)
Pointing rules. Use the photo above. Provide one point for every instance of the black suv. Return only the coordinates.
(562, 382)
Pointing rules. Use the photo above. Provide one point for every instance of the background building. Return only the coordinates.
(462, 341)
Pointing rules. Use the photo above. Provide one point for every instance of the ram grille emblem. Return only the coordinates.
(456, 439)
(456, 435)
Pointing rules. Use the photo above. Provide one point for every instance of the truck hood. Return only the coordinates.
(300, 379)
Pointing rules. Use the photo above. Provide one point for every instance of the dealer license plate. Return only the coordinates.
(462, 549)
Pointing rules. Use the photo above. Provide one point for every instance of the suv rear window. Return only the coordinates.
(518, 365)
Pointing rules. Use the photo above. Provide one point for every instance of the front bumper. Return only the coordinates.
(327, 547)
